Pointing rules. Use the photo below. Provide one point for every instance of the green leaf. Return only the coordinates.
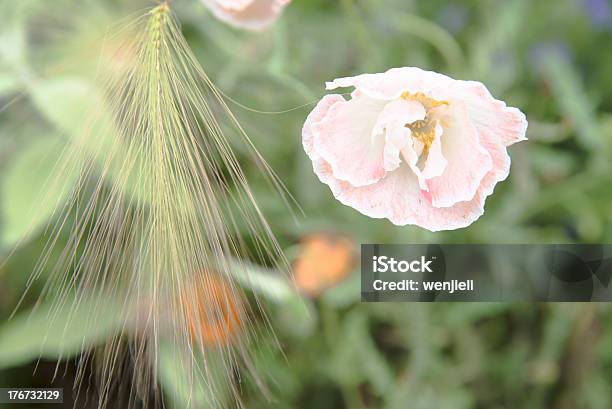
(59, 331)
(191, 381)
(472, 312)
(575, 104)
(552, 164)
(346, 293)
(297, 316)
(8, 83)
(428, 31)
(13, 44)
(68, 103)
(33, 188)
(79, 110)
(271, 284)
(362, 361)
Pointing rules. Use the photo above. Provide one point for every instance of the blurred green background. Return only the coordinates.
(550, 58)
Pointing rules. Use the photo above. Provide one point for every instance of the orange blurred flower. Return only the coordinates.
(214, 310)
(324, 260)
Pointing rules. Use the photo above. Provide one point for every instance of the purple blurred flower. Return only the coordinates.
(599, 12)
(453, 17)
(541, 52)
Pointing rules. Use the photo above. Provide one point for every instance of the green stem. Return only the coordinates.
(577, 185)
(330, 322)
(433, 34)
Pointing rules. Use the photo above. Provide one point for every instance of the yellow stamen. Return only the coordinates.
(427, 102)
(424, 134)
(423, 130)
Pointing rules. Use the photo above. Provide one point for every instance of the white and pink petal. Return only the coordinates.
(467, 160)
(441, 189)
(347, 144)
(248, 14)
(507, 124)
(399, 199)
(315, 116)
(391, 84)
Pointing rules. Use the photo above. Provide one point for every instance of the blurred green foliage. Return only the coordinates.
(551, 58)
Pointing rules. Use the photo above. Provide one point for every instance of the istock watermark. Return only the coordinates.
(495, 272)
(383, 264)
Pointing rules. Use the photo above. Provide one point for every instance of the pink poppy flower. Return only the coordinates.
(249, 14)
(413, 146)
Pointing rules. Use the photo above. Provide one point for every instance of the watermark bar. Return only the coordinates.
(31, 395)
(486, 272)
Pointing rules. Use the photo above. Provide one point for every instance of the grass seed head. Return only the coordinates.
(161, 202)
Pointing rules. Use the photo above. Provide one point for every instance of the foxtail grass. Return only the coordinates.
(159, 220)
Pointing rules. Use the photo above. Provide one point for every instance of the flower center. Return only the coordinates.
(424, 130)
